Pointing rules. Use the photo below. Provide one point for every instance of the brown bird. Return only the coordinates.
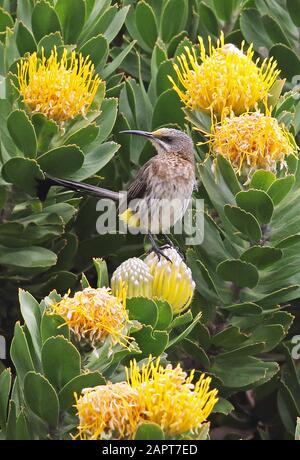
(160, 192)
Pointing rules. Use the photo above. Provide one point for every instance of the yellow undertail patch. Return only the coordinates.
(129, 218)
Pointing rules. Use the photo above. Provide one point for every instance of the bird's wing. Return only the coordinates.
(138, 187)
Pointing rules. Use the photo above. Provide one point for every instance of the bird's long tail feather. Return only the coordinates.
(43, 187)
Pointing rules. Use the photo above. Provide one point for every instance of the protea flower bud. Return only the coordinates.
(172, 281)
(133, 275)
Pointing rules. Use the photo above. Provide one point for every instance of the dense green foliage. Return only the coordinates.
(246, 270)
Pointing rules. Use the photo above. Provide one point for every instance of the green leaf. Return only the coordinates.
(280, 188)
(244, 309)
(228, 175)
(20, 353)
(115, 23)
(165, 70)
(52, 326)
(95, 160)
(287, 59)
(262, 256)
(30, 257)
(270, 335)
(149, 431)
(45, 129)
(196, 352)
(117, 61)
(262, 180)
(24, 173)
(146, 23)
(280, 296)
(22, 431)
(167, 110)
(25, 41)
(5, 20)
(244, 222)
(84, 136)
(107, 119)
(97, 48)
(231, 337)
(258, 203)
(48, 42)
(102, 272)
(11, 421)
(275, 93)
(179, 337)
(72, 18)
(61, 361)
(44, 20)
(31, 313)
(165, 315)
(239, 372)
(223, 9)
(76, 385)
(173, 19)
(223, 407)
(274, 30)
(143, 310)
(208, 22)
(293, 7)
(5, 386)
(41, 398)
(240, 273)
(62, 161)
(151, 342)
(254, 30)
(22, 132)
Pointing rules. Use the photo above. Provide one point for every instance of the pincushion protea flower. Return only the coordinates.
(135, 275)
(109, 411)
(93, 315)
(172, 281)
(58, 88)
(225, 80)
(251, 141)
(165, 396)
(169, 397)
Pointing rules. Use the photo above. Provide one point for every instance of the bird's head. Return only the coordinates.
(169, 140)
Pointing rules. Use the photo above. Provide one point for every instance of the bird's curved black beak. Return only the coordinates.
(137, 132)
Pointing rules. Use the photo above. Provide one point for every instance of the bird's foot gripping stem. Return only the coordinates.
(170, 244)
(157, 250)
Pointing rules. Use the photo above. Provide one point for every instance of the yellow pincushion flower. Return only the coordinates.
(93, 315)
(135, 275)
(169, 397)
(172, 281)
(108, 412)
(225, 80)
(165, 396)
(58, 88)
(251, 141)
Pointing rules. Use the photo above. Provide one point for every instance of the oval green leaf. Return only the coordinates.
(242, 274)
(41, 398)
(256, 202)
(62, 161)
(61, 361)
(44, 20)
(22, 132)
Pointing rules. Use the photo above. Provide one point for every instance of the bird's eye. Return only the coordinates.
(167, 139)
